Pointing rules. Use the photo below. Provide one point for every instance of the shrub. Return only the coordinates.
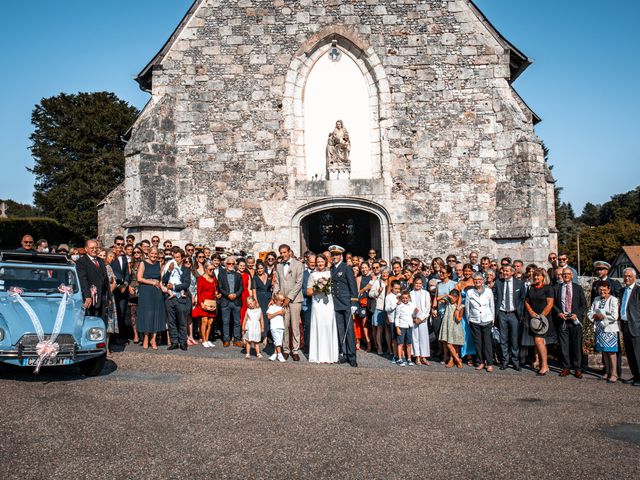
(12, 230)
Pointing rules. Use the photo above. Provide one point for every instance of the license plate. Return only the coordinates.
(49, 362)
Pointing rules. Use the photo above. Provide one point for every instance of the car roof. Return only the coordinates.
(12, 256)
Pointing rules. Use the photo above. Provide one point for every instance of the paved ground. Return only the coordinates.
(213, 414)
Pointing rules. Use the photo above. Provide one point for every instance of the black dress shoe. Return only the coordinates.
(342, 359)
(286, 356)
(173, 346)
(630, 381)
(295, 357)
(503, 366)
(183, 346)
(353, 363)
(517, 368)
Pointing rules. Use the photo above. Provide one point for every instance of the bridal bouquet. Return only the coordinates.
(323, 285)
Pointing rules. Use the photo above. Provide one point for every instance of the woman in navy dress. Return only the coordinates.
(150, 300)
(262, 290)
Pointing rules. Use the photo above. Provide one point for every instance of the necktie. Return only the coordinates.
(95, 262)
(625, 300)
(568, 298)
(507, 296)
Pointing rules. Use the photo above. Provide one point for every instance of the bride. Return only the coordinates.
(323, 341)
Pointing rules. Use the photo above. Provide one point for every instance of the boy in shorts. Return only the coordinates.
(406, 311)
(391, 302)
(275, 314)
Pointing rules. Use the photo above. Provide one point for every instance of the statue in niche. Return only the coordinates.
(338, 147)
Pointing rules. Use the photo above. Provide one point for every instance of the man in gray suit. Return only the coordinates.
(289, 275)
(630, 321)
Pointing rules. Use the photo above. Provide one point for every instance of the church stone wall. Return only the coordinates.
(214, 157)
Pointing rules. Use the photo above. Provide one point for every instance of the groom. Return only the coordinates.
(345, 295)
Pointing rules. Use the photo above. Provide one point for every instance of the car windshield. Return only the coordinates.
(33, 279)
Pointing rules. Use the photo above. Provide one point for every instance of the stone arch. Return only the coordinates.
(336, 203)
(372, 70)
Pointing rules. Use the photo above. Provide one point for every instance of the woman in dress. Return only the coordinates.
(362, 314)
(604, 314)
(468, 349)
(246, 288)
(539, 301)
(438, 307)
(150, 300)
(207, 292)
(323, 335)
(200, 261)
(110, 310)
(262, 288)
(133, 291)
(451, 330)
(377, 290)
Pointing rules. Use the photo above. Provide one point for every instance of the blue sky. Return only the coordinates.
(583, 83)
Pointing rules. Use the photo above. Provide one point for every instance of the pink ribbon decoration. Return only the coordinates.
(46, 349)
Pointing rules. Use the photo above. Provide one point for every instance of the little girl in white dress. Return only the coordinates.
(253, 327)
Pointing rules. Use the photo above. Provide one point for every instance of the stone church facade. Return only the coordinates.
(219, 156)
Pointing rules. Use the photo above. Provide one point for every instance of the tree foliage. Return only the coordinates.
(12, 230)
(78, 150)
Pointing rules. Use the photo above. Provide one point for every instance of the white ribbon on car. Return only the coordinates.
(46, 349)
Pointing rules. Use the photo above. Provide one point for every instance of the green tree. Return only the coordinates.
(590, 214)
(78, 150)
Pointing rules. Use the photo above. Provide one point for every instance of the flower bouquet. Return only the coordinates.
(323, 286)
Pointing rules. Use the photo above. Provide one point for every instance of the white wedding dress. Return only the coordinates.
(323, 334)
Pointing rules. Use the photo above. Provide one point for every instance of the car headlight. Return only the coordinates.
(1, 334)
(95, 334)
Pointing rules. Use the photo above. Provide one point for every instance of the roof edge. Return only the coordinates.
(518, 61)
(144, 78)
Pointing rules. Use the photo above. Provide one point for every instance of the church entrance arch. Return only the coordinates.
(356, 225)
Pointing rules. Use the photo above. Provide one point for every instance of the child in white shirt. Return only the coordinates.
(275, 314)
(391, 302)
(405, 313)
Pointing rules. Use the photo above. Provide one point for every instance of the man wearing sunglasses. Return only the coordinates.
(26, 244)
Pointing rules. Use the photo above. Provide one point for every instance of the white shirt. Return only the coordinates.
(377, 292)
(390, 305)
(503, 305)
(404, 314)
(479, 307)
(422, 301)
(278, 320)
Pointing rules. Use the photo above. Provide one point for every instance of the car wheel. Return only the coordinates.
(93, 367)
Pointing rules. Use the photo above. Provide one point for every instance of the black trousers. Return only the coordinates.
(177, 319)
(509, 326)
(121, 299)
(482, 340)
(346, 334)
(570, 340)
(632, 350)
(306, 327)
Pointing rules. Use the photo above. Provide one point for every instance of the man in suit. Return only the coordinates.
(306, 299)
(509, 293)
(630, 321)
(230, 288)
(120, 267)
(344, 291)
(94, 281)
(289, 276)
(569, 307)
(177, 279)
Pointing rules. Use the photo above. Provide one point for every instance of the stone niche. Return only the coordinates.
(231, 148)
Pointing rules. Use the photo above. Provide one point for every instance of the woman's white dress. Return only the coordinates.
(323, 335)
(422, 300)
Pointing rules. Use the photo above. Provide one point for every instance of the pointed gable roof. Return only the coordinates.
(518, 61)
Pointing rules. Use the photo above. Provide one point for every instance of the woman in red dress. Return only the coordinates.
(207, 291)
(246, 290)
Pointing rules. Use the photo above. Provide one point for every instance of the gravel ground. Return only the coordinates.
(209, 413)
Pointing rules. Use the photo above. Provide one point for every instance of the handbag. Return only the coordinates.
(209, 305)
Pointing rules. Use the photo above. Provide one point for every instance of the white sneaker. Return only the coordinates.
(211, 344)
(273, 357)
(205, 344)
(281, 358)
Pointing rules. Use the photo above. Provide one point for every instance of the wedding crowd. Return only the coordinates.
(478, 312)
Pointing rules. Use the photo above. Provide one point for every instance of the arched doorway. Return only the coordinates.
(355, 230)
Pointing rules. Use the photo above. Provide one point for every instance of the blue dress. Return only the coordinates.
(150, 302)
(469, 347)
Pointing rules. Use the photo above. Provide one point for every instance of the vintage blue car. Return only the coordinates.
(33, 288)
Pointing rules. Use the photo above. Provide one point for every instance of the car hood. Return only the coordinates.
(17, 321)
